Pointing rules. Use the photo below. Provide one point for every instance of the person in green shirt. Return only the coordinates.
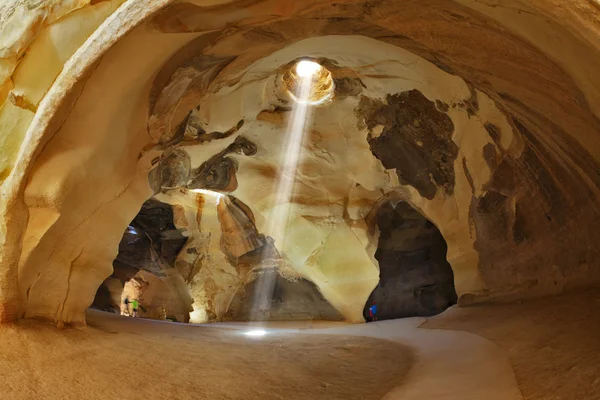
(134, 307)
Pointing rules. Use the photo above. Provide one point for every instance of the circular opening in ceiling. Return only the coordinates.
(308, 82)
(306, 68)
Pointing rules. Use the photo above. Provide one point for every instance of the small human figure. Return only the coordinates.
(126, 308)
(134, 307)
(373, 312)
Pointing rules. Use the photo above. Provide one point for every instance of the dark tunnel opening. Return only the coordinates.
(151, 243)
(415, 277)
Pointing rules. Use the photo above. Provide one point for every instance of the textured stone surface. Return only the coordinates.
(519, 215)
(239, 233)
(219, 172)
(151, 241)
(168, 124)
(172, 170)
(269, 296)
(160, 297)
(108, 296)
(36, 39)
(416, 140)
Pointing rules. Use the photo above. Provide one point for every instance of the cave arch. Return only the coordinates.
(415, 277)
(146, 259)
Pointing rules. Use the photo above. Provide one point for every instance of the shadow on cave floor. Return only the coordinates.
(126, 358)
(415, 277)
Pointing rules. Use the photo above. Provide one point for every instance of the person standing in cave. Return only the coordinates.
(373, 312)
(134, 307)
(126, 308)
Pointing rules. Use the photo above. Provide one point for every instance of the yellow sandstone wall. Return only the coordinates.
(76, 96)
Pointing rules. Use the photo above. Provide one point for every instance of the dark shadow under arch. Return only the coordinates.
(415, 277)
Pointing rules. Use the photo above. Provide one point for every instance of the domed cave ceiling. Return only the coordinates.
(460, 166)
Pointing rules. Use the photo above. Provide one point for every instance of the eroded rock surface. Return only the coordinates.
(167, 121)
(240, 236)
(415, 140)
(502, 162)
(270, 296)
(151, 242)
(219, 172)
(173, 170)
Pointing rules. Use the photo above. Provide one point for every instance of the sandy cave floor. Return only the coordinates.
(125, 358)
(553, 344)
(121, 358)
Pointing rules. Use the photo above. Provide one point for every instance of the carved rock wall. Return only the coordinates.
(514, 192)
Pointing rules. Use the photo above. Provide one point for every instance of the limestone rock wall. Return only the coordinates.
(502, 121)
(109, 296)
(224, 269)
(53, 265)
(339, 177)
(151, 241)
(147, 253)
(36, 39)
(203, 262)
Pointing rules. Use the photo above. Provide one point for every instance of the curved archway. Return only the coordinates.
(415, 279)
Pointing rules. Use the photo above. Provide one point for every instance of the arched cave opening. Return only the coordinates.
(144, 268)
(210, 265)
(415, 277)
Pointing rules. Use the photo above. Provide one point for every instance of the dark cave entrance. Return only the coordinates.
(415, 277)
(150, 243)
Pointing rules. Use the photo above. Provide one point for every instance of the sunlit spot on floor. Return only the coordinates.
(256, 333)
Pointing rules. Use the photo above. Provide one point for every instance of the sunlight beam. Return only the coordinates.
(280, 215)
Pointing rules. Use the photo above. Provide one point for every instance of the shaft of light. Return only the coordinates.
(289, 165)
(280, 215)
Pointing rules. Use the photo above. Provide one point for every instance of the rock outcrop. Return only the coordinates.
(151, 241)
(416, 140)
(270, 296)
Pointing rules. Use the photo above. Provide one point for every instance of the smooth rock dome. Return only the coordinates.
(305, 160)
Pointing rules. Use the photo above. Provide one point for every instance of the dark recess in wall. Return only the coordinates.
(415, 277)
(151, 242)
